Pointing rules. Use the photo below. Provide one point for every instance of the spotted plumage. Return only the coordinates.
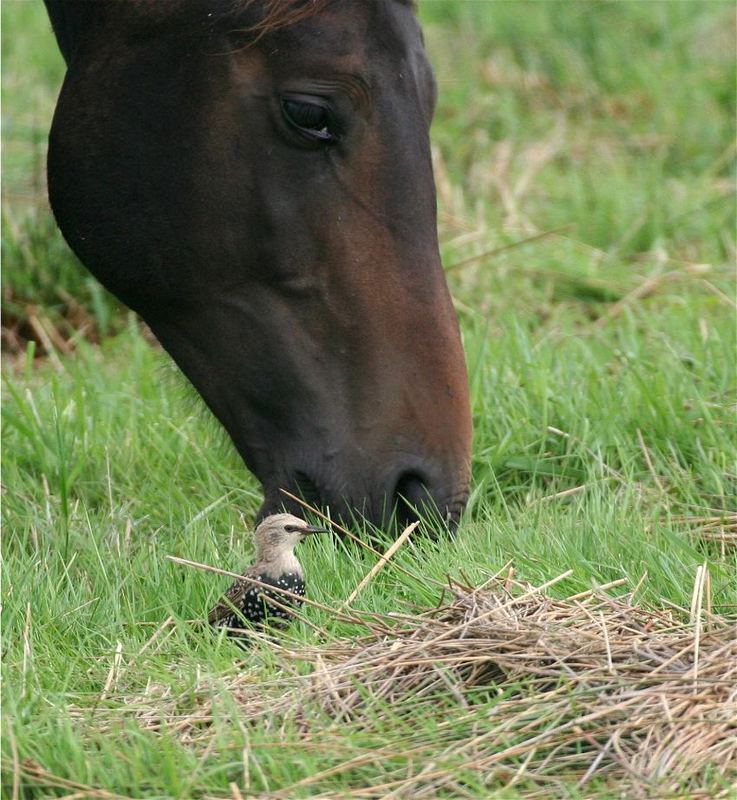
(244, 606)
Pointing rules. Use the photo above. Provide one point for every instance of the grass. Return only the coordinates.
(589, 147)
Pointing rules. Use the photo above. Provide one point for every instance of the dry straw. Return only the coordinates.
(592, 691)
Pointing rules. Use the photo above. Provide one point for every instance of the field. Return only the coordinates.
(584, 156)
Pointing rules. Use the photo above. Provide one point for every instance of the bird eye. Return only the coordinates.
(291, 528)
(312, 118)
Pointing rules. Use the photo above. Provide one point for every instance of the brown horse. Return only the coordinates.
(253, 177)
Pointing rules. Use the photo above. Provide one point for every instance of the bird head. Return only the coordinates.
(281, 533)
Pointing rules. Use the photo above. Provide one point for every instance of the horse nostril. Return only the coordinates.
(411, 496)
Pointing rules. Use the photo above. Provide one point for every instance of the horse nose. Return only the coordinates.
(414, 490)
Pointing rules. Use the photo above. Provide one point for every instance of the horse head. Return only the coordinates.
(255, 180)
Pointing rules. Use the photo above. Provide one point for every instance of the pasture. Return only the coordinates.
(584, 160)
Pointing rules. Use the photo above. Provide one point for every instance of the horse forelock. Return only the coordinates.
(276, 14)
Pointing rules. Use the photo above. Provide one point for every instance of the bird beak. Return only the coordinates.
(314, 529)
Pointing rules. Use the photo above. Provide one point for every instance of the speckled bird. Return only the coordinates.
(243, 606)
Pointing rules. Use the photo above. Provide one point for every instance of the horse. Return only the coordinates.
(254, 179)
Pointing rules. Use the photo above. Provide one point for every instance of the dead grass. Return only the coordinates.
(721, 528)
(593, 690)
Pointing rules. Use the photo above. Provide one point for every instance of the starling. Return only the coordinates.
(243, 606)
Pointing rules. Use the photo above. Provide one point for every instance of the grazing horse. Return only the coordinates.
(253, 178)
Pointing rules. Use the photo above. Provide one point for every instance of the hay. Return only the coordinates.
(592, 690)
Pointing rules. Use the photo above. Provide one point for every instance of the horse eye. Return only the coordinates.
(312, 120)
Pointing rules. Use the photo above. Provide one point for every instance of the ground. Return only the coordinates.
(584, 157)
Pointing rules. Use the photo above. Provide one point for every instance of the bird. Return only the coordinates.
(243, 607)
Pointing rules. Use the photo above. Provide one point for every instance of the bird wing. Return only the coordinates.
(233, 598)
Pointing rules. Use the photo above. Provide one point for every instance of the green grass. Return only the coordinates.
(602, 360)
(43, 285)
